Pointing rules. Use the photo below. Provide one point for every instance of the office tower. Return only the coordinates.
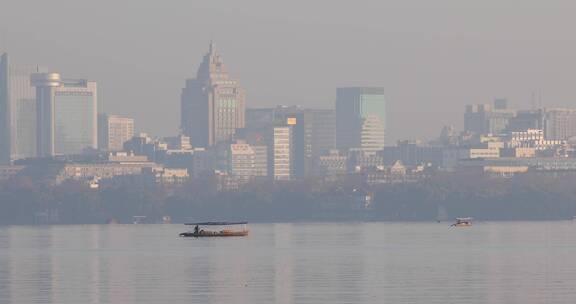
(322, 132)
(17, 111)
(559, 124)
(66, 114)
(114, 131)
(485, 119)
(281, 154)
(212, 104)
(360, 118)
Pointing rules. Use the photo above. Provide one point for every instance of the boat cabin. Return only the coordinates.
(217, 229)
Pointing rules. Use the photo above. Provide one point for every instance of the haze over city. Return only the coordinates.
(432, 58)
(391, 151)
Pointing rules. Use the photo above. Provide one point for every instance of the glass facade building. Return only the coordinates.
(66, 115)
(360, 118)
(17, 111)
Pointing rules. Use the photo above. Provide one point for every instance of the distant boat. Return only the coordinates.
(223, 229)
(462, 222)
(138, 219)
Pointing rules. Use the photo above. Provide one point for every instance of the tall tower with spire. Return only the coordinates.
(212, 104)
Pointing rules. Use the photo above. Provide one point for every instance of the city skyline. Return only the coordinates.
(431, 62)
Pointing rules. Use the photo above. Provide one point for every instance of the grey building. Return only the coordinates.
(17, 111)
(526, 120)
(66, 114)
(212, 104)
(360, 118)
(560, 123)
(487, 119)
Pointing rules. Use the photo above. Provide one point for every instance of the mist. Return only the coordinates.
(432, 57)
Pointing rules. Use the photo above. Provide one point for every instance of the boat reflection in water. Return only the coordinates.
(217, 229)
(462, 222)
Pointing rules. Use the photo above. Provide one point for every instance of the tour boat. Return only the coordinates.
(462, 222)
(225, 229)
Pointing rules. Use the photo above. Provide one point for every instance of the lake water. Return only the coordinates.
(495, 262)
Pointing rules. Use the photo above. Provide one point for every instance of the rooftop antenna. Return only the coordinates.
(540, 98)
(533, 100)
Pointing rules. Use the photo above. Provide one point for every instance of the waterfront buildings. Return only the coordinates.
(114, 131)
(360, 118)
(17, 111)
(212, 104)
(66, 117)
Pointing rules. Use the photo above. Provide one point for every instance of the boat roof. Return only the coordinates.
(463, 218)
(216, 223)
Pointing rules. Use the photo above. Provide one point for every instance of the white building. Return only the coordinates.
(114, 131)
(281, 154)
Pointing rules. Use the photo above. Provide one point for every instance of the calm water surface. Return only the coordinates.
(499, 262)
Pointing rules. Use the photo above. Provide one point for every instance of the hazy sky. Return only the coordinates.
(432, 57)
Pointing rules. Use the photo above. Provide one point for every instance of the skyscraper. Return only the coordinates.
(360, 118)
(293, 117)
(212, 105)
(66, 114)
(321, 130)
(281, 155)
(17, 111)
(114, 131)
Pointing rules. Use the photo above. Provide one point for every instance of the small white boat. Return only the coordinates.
(462, 222)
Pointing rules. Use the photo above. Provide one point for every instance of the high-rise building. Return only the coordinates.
(360, 118)
(321, 132)
(17, 111)
(294, 118)
(559, 123)
(212, 105)
(66, 114)
(281, 154)
(114, 131)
